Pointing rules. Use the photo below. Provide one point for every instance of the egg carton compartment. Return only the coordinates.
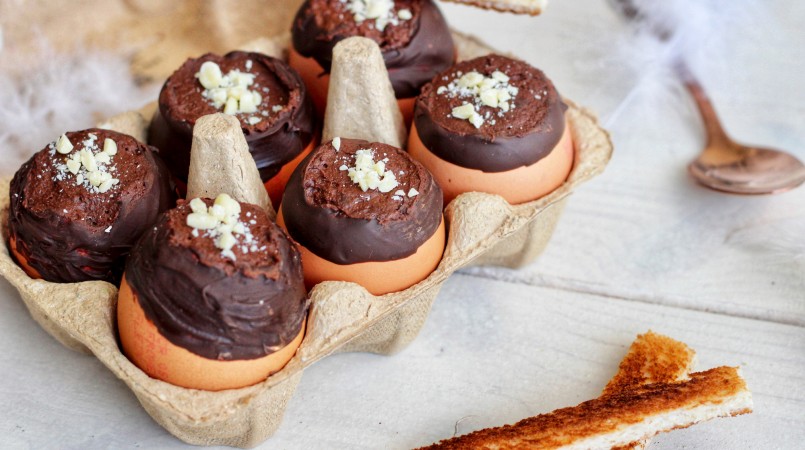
(343, 317)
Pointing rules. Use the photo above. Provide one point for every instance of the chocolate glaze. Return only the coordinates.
(273, 142)
(332, 217)
(60, 227)
(414, 51)
(213, 306)
(521, 137)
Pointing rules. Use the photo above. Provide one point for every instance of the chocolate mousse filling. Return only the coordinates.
(414, 50)
(285, 128)
(507, 140)
(69, 232)
(330, 215)
(212, 305)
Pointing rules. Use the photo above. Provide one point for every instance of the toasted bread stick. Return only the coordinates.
(532, 7)
(652, 358)
(633, 414)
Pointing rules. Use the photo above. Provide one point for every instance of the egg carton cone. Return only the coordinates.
(220, 163)
(361, 102)
(343, 316)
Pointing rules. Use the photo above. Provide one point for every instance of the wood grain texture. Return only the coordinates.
(639, 248)
(495, 352)
(643, 230)
(614, 421)
(491, 353)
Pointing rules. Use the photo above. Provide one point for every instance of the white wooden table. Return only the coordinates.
(639, 248)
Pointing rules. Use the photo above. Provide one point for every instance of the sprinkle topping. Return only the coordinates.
(236, 92)
(63, 145)
(370, 174)
(381, 11)
(221, 222)
(399, 194)
(493, 91)
(86, 164)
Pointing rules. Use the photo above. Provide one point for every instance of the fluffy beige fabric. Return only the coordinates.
(66, 64)
(65, 92)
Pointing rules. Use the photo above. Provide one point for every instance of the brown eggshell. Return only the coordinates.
(407, 109)
(378, 277)
(276, 185)
(22, 261)
(516, 186)
(318, 82)
(161, 359)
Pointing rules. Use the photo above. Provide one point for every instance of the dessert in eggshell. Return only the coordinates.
(412, 34)
(493, 124)
(212, 297)
(264, 93)
(78, 205)
(364, 212)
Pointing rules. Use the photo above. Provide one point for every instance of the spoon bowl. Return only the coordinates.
(747, 170)
(727, 166)
(723, 165)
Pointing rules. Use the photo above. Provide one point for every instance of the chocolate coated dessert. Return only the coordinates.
(72, 224)
(494, 137)
(222, 306)
(413, 37)
(277, 127)
(332, 216)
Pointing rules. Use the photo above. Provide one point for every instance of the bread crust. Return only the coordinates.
(530, 7)
(652, 358)
(651, 393)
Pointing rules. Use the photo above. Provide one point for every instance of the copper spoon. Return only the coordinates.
(725, 165)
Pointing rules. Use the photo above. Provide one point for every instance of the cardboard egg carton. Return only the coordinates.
(344, 317)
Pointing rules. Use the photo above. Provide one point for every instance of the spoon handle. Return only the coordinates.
(715, 132)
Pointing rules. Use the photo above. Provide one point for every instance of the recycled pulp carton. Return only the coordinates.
(344, 317)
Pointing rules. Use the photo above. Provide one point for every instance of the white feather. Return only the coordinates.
(782, 239)
(700, 32)
(62, 92)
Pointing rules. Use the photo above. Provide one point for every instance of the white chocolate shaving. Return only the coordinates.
(221, 222)
(87, 165)
(88, 160)
(235, 92)
(201, 221)
(493, 91)
(381, 11)
(369, 174)
(210, 75)
(102, 158)
(63, 145)
(73, 166)
(109, 147)
(464, 111)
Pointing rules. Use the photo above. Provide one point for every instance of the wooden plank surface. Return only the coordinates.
(491, 353)
(494, 352)
(644, 230)
(639, 248)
